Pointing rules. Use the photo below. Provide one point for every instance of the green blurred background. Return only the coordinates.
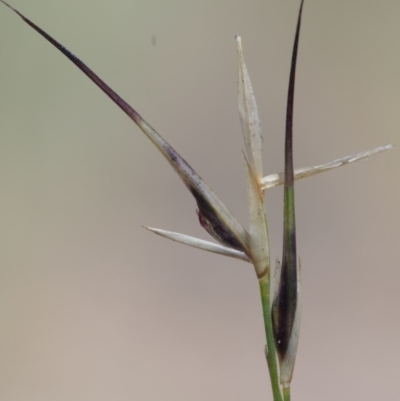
(94, 307)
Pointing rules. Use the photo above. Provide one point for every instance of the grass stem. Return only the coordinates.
(271, 349)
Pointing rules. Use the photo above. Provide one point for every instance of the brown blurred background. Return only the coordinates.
(94, 307)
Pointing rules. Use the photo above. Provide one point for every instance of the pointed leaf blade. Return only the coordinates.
(248, 113)
(274, 180)
(286, 305)
(228, 230)
(199, 243)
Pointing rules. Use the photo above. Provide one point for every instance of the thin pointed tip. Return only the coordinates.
(154, 230)
(8, 5)
(15, 10)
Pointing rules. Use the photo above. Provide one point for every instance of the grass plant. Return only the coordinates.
(279, 284)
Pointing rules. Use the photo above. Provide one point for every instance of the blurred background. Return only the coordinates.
(92, 306)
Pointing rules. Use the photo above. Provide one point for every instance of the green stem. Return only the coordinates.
(286, 393)
(271, 350)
